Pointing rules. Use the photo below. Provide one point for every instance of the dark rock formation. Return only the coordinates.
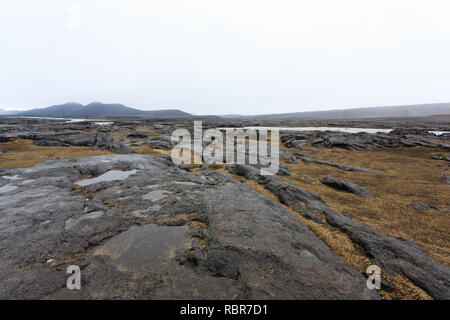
(346, 186)
(360, 141)
(100, 140)
(397, 256)
(346, 167)
(161, 142)
(63, 139)
(137, 134)
(424, 206)
(287, 194)
(394, 255)
(105, 141)
(447, 178)
(155, 231)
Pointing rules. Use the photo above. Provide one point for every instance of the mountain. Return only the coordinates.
(111, 110)
(99, 110)
(4, 112)
(418, 110)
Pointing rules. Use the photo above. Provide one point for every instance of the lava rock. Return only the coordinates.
(227, 250)
(346, 167)
(346, 186)
(424, 206)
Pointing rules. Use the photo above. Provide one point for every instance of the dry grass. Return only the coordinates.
(404, 175)
(146, 149)
(349, 252)
(23, 153)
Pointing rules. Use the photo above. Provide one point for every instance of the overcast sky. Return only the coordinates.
(225, 57)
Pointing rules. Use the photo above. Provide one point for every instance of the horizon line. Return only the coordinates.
(234, 114)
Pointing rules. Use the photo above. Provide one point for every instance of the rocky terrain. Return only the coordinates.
(107, 197)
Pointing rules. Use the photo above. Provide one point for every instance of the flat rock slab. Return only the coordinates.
(228, 242)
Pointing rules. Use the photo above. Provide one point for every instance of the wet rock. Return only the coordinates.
(220, 245)
(346, 186)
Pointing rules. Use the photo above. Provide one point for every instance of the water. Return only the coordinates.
(7, 188)
(156, 195)
(438, 133)
(112, 175)
(14, 177)
(70, 120)
(186, 183)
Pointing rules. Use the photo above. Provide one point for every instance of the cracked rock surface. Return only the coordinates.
(394, 255)
(157, 232)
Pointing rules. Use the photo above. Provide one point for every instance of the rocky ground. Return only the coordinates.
(108, 198)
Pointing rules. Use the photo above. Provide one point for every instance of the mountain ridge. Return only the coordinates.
(99, 110)
(102, 110)
(417, 110)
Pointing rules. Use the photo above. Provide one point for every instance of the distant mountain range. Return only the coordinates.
(102, 110)
(4, 112)
(95, 110)
(417, 110)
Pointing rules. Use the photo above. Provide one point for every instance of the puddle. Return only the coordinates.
(156, 195)
(186, 183)
(438, 133)
(147, 247)
(14, 177)
(111, 175)
(7, 188)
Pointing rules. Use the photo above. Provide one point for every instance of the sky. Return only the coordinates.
(224, 57)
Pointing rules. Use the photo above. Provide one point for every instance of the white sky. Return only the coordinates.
(225, 57)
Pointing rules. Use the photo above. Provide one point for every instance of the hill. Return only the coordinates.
(99, 110)
(419, 110)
